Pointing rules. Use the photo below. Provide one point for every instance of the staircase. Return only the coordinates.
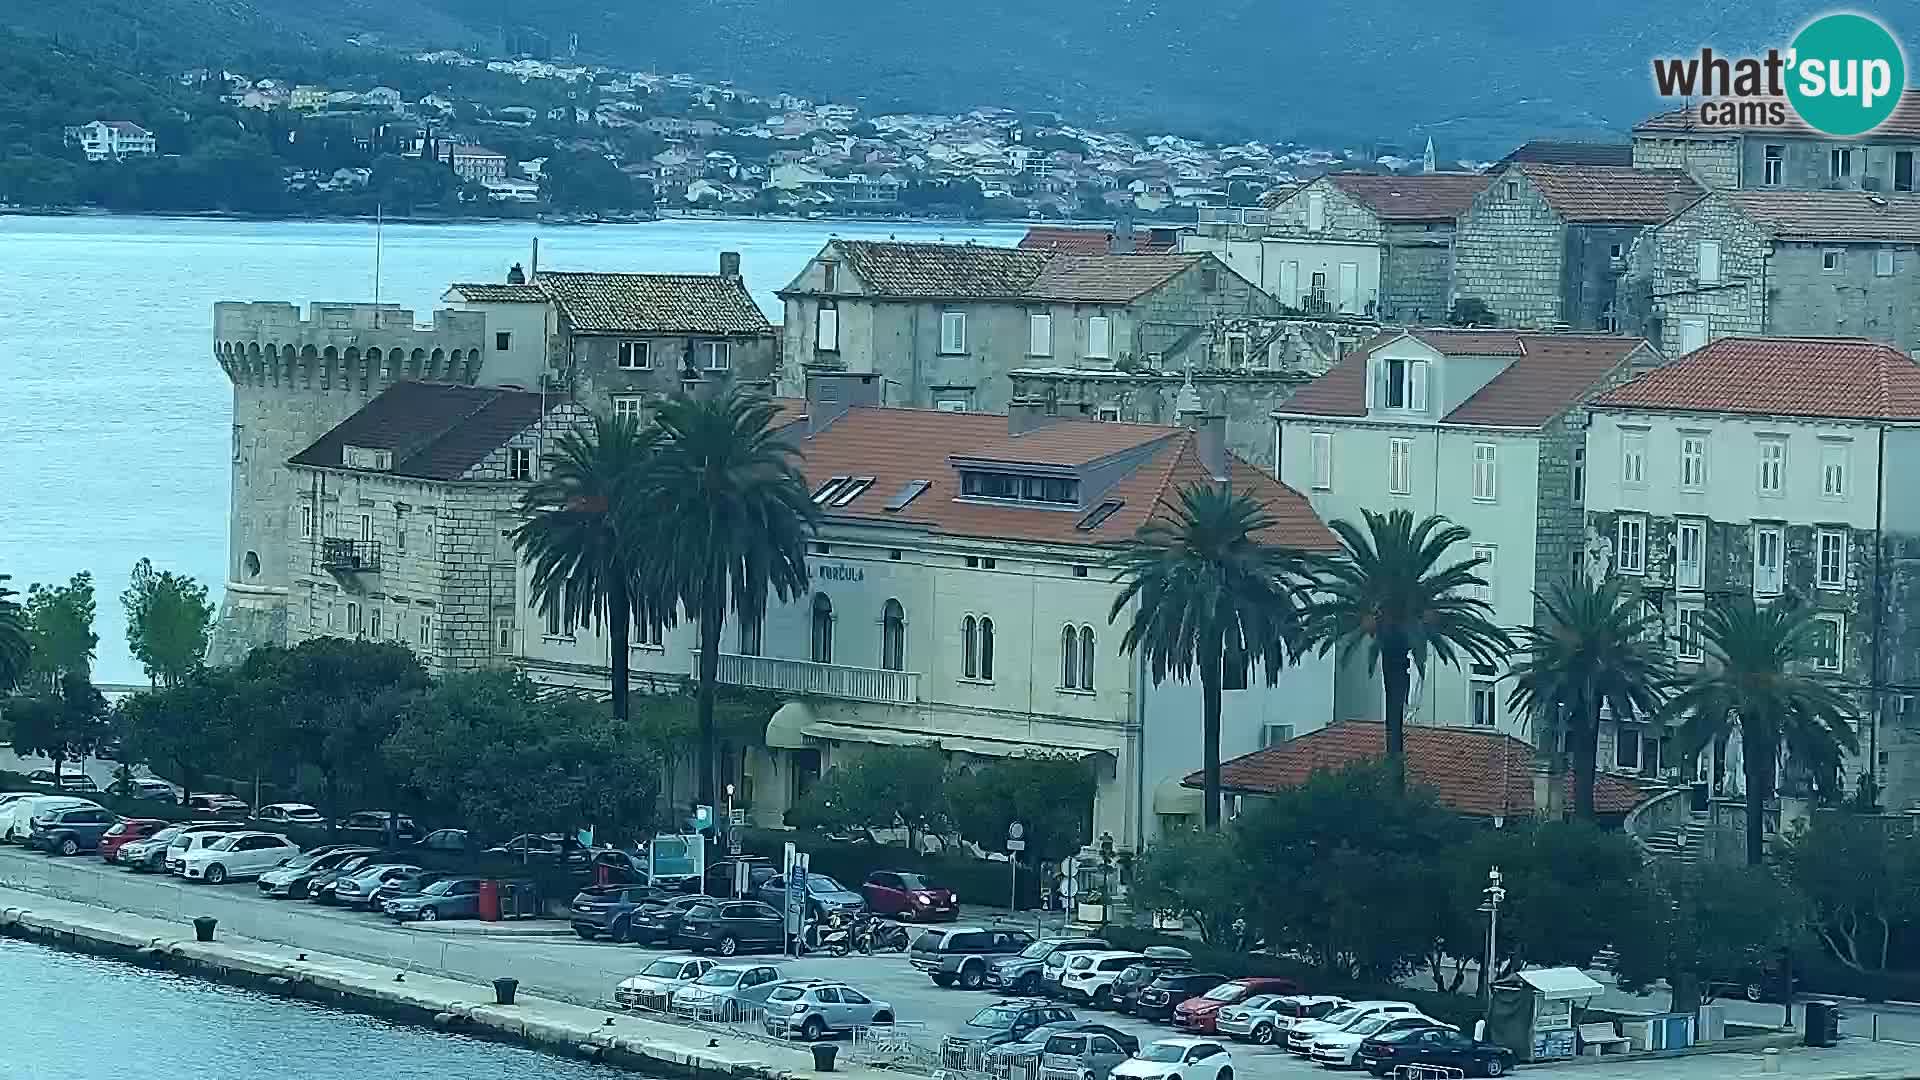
(1682, 842)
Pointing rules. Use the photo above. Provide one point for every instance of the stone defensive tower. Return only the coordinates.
(294, 379)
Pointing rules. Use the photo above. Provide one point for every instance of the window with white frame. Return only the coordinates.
(1039, 333)
(1399, 466)
(1316, 211)
(1709, 262)
(1767, 552)
(1577, 484)
(645, 633)
(373, 623)
(1485, 475)
(1633, 459)
(627, 407)
(1485, 702)
(1833, 469)
(1486, 554)
(306, 521)
(1689, 554)
(1773, 464)
(635, 356)
(1687, 643)
(1099, 337)
(1829, 641)
(1831, 548)
(426, 630)
(1630, 547)
(1833, 260)
(953, 332)
(1774, 166)
(519, 463)
(554, 627)
(1417, 386)
(826, 327)
(715, 355)
(1693, 461)
(1320, 448)
(1883, 262)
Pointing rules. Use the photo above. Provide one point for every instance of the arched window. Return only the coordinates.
(986, 648)
(1086, 658)
(822, 629)
(1069, 658)
(970, 648)
(893, 636)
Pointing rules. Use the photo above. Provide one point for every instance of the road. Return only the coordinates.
(585, 973)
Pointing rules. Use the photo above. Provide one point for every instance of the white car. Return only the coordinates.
(236, 856)
(290, 813)
(1089, 977)
(16, 817)
(1178, 1059)
(1265, 1018)
(654, 987)
(1337, 1048)
(1301, 1035)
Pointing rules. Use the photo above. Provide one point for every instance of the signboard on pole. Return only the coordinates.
(797, 895)
(675, 858)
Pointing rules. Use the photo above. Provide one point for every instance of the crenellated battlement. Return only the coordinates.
(360, 347)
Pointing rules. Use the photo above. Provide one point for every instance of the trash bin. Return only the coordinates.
(504, 989)
(490, 901)
(1822, 1023)
(203, 928)
(823, 1055)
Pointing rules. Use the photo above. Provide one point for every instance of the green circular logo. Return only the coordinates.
(1846, 74)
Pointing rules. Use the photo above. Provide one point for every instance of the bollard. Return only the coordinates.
(1770, 1060)
(503, 990)
(823, 1055)
(203, 928)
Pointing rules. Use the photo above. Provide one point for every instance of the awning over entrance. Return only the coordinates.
(795, 723)
(1171, 798)
(1000, 748)
(786, 730)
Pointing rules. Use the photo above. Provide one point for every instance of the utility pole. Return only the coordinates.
(1495, 894)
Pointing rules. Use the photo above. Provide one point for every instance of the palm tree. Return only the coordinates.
(1752, 679)
(1595, 646)
(577, 540)
(726, 515)
(1211, 595)
(14, 650)
(1388, 590)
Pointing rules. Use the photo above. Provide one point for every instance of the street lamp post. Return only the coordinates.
(1495, 894)
(1106, 877)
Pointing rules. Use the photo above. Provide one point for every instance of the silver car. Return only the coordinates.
(732, 992)
(356, 890)
(816, 1007)
(654, 987)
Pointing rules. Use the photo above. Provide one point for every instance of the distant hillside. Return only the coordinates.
(1481, 72)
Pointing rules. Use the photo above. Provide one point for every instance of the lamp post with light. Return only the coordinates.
(1106, 877)
(1495, 894)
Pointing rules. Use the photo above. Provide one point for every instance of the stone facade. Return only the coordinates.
(1663, 291)
(1416, 273)
(1247, 399)
(1750, 160)
(675, 363)
(1511, 253)
(1713, 160)
(1852, 299)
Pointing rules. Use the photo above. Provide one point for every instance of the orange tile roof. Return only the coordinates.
(899, 446)
(943, 271)
(1601, 193)
(1420, 197)
(1864, 216)
(654, 303)
(1903, 123)
(1473, 771)
(1550, 373)
(1839, 378)
(1094, 241)
(1110, 279)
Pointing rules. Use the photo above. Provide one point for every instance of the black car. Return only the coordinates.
(729, 927)
(1160, 997)
(1160, 959)
(370, 827)
(721, 876)
(1755, 982)
(654, 924)
(1448, 1049)
(409, 885)
(612, 866)
(609, 909)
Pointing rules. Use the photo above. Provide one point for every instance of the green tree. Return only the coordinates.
(184, 730)
(1708, 921)
(340, 701)
(1049, 794)
(60, 630)
(884, 788)
(168, 622)
(1210, 596)
(576, 538)
(1392, 592)
(1196, 874)
(1594, 646)
(586, 182)
(1862, 882)
(16, 648)
(725, 516)
(1754, 679)
(62, 726)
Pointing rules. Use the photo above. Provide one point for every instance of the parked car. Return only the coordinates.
(127, 831)
(721, 879)
(1089, 1055)
(609, 909)
(1383, 1053)
(727, 991)
(294, 880)
(16, 821)
(193, 840)
(817, 1008)
(962, 953)
(1265, 1018)
(825, 896)
(150, 854)
(1178, 1059)
(69, 830)
(370, 827)
(617, 866)
(1336, 1049)
(358, 889)
(289, 813)
(65, 781)
(406, 885)
(1089, 977)
(214, 804)
(448, 898)
(655, 924)
(906, 895)
(145, 789)
(236, 856)
(1009, 1021)
(654, 987)
(453, 841)
(1154, 960)
(1198, 1014)
(321, 890)
(1757, 980)
(1160, 997)
(1301, 1035)
(1022, 1056)
(730, 926)
(543, 847)
(1020, 973)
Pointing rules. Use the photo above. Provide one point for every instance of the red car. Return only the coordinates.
(1197, 1014)
(125, 832)
(906, 895)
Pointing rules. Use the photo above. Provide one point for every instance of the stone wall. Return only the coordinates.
(1510, 252)
(1596, 258)
(1807, 163)
(598, 377)
(1665, 276)
(1193, 299)
(1854, 300)
(1416, 270)
(1247, 399)
(1345, 218)
(1714, 160)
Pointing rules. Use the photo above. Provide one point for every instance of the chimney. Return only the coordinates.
(516, 275)
(831, 392)
(1121, 240)
(1026, 414)
(730, 265)
(1210, 429)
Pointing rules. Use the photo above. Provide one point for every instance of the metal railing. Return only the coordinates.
(356, 556)
(1667, 810)
(1427, 1072)
(894, 1046)
(825, 680)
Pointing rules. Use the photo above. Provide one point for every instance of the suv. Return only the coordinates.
(1199, 1014)
(608, 909)
(816, 1007)
(1021, 974)
(69, 830)
(1089, 977)
(996, 1025)
(66, 781)
(1126, 987)
(962, 953)
(1160, 997)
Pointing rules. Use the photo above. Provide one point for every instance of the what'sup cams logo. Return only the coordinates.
(1842, 75)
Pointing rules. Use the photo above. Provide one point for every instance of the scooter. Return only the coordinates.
(835, 937)
(874, 935)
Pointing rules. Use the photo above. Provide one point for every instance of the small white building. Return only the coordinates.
(105, 140)
(475, 164)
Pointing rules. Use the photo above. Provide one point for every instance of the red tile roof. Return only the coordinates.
(1861, 216)
(943, 271)
(1840, 378)
(654, 303)
(1903, 123)
(1473, 771)
(437, 431)
(1550, 373)
(1421, 197)
(1556, 152)
(1081, 241)
(1600, 193)
(486, 293)
(1107, 279)
(899, 446)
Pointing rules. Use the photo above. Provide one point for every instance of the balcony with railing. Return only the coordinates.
(350, 556)
(824, 680)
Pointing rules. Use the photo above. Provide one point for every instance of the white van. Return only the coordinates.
(16, 817)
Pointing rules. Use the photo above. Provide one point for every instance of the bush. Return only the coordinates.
(1817, 972)
(977, 881)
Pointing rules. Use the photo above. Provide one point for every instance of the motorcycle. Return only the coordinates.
(836, 937)
(873, 935)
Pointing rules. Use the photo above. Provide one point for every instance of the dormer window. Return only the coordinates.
(1406, 384)
(361, 457)
(1013, 487)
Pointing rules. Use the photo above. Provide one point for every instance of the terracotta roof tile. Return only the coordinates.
(1903, 123)
(1473, 771)
(943, 271)
(481, 292)
(1841, 378)
(1557, 152)
(1108, 279)
(654, 303)
(1421, 197)
(1080, 241)
(1598, 193)
(437, 431)
(1832, 215)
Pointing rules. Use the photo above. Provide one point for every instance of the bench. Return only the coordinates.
(1602, 1040)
